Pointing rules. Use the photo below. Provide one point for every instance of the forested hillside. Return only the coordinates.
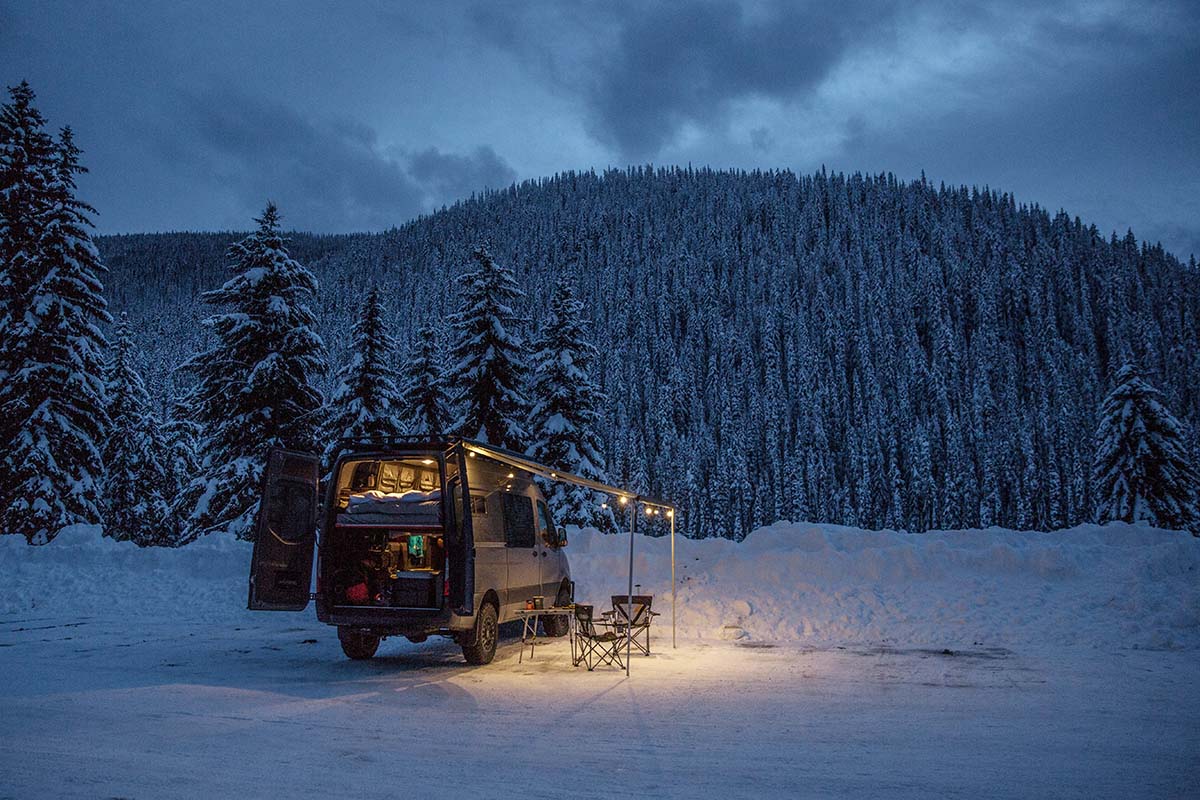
(855, 350)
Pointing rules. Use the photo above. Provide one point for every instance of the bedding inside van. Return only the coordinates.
(375, 507)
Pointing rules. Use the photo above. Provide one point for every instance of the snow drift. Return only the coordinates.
(1112, 586)
(1116, 585)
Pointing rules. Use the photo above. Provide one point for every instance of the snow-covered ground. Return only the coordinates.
(813, 661)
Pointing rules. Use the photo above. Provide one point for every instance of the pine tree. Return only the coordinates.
(1142, 472)
(26, 158)
(366, 400)
(52, 390)
(255, 387)
(424, 406)
(565, 417)
(136, 471)
(26, 153)
(181, 436)
(489, 356)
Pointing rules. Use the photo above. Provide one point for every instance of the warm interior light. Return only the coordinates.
(471, 454)
(426, 460)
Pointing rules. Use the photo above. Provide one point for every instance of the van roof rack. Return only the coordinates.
(394, 440)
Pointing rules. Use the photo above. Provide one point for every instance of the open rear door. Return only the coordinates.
(285, 533)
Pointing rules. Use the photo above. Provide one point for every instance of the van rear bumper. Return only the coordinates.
(396, 620)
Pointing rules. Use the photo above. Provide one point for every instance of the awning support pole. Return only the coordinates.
(629, 608)
(673, 645)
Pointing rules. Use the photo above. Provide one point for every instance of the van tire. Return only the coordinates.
(356, 644)
(557, 625)
(482, 647)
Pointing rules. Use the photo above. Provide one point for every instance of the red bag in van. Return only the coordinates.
(357, 593)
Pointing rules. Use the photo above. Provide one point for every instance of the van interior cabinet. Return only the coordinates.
(388, 567)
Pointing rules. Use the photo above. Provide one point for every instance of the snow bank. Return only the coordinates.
(1110, 586)
(1116, 585)
(81, 572)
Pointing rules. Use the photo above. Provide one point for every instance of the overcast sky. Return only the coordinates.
(358, 116)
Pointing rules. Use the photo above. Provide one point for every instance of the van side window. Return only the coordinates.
(518, 520)
(546, 526)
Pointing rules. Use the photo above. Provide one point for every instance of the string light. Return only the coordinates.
(624, 499)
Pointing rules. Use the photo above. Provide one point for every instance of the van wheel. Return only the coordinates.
(558, 626)
(482, 649)
(356, 644)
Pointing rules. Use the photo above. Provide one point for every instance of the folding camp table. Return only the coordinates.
(529, 620)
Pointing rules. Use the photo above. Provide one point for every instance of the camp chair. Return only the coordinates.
(637, 618)
(594, 646)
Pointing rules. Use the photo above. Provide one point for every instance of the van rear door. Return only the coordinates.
(285, 533)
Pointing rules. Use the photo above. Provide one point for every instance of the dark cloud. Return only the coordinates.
(761, 139)
(686, 63)
(326, 174)
(452, 175)
(653, 68)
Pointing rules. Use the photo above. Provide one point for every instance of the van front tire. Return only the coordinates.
(482, 647)
(356, 644)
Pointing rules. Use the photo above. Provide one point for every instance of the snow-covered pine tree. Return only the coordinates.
(424, 402)
(181, 436)
(565, 418)
(26, 152)
(366, 400)
(489, 356)
(1142, 472)
(136, 474)
(26, 156)
(255, 387)
(52, 392)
